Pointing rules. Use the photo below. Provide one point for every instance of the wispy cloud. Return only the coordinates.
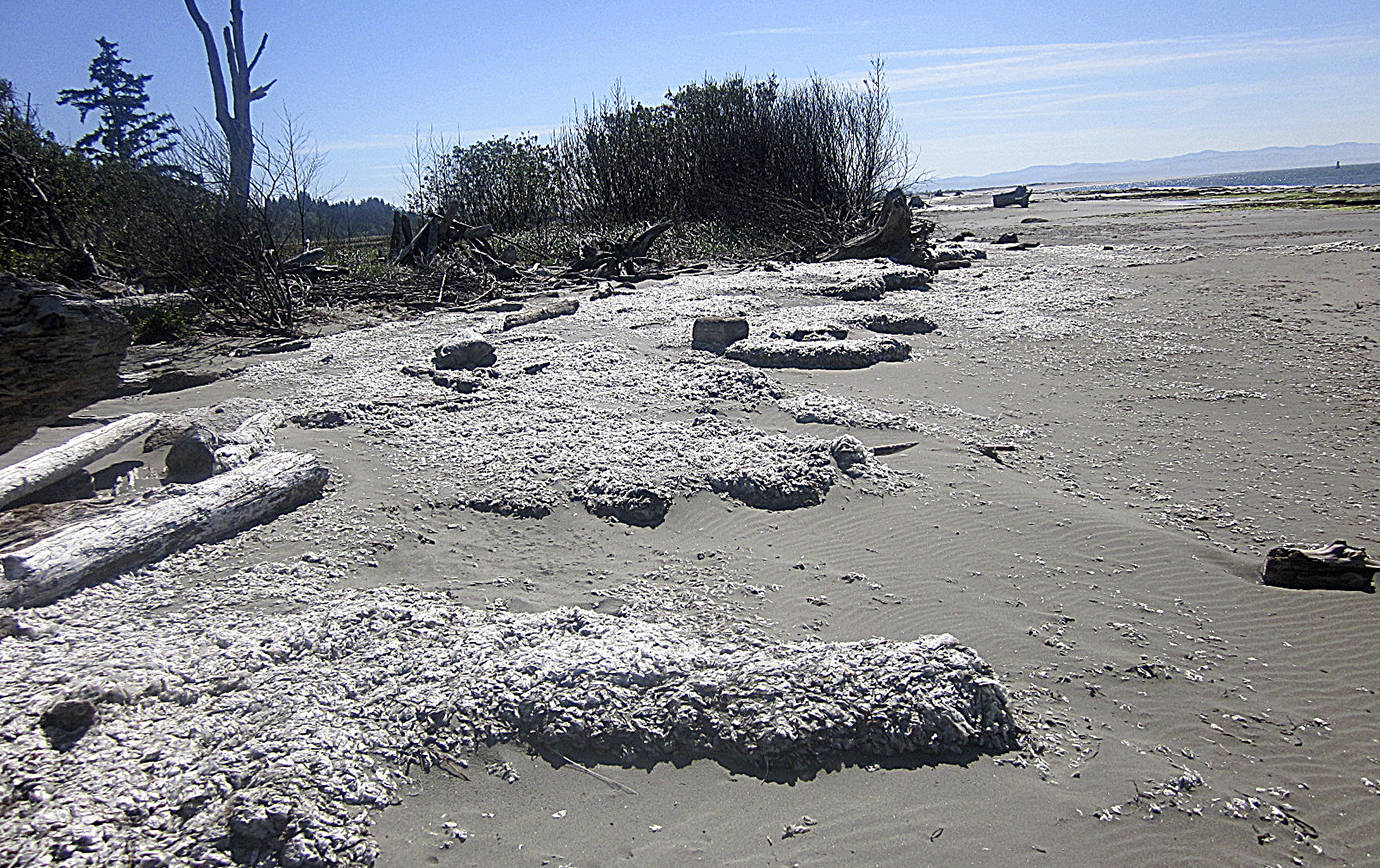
(997, 65)
(804, 30)
(1064, 101)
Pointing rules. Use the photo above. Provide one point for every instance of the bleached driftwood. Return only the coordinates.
(252, 438)
(51, 465)
(564, 307)
(93, 551)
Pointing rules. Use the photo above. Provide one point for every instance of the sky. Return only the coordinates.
(979, 87)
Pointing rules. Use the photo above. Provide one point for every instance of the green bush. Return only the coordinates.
(760, 156)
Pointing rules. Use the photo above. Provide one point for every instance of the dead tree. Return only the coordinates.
(608, 258)
(890, 234)
(232, 110)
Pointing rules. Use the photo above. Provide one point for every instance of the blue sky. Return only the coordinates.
(980, 87)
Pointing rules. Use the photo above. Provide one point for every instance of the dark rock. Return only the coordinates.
(1006, 238)
(66, 721)
(1034, 220)
(898, 324)
(58, 353)
(320, 419)
(714, 333)
(464, 350)
(1335, 567)
(192, 456)
(834, 355)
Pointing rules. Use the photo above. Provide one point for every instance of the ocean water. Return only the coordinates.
(1316, 176)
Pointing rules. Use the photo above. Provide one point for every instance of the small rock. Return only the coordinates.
(898, 324)
(192, 456)
(817, 333)
(713, 333)
(458, 381)
(850, 454)
(627, 501)
(66, 721)
(320, 419)
(1006, 238)
(464, 350)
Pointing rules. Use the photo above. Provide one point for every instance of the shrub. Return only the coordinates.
(761, 155)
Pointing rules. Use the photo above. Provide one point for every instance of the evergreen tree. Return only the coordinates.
(127, 132)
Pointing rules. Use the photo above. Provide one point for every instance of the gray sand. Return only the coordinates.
(1173, 407)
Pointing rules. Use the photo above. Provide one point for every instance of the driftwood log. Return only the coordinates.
(1335, 567)
(604, 257)
(58, 353)
(96, 550)
(1019, 196)
(53, 465)
(563, 307)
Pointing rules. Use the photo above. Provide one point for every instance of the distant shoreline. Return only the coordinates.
(1359, 174)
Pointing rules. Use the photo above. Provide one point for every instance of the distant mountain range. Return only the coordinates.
(1184, 165)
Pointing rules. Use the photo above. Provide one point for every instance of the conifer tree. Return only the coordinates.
(127, 132)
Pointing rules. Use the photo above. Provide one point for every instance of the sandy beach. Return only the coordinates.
(1076, 475)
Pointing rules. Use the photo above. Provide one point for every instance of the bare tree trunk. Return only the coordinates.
(232, 108)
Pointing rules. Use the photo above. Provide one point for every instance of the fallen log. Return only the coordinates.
(96, 550)
(1334, 567)
(1018, 196)
(537, 314)
(57, 463)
